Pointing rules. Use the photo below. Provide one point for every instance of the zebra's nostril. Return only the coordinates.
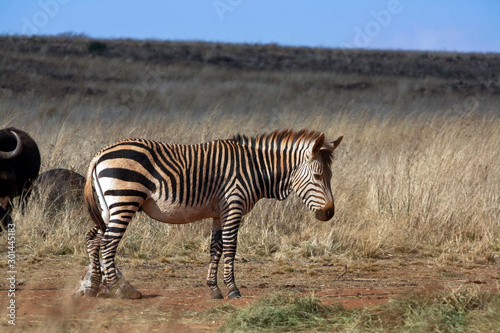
(327, 212)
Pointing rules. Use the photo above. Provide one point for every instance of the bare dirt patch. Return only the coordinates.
(176, 298)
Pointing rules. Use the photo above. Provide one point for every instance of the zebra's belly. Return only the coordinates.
(175, 213)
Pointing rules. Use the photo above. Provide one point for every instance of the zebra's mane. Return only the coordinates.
(304, 136)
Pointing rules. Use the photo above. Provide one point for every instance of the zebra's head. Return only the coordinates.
(312, 178)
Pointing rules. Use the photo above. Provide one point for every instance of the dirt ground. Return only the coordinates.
(176, 298)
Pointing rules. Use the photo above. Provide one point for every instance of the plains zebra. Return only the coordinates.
(221, 180)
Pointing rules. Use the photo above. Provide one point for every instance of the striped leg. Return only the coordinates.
(93, 240)
(117, 287)
(229, 242)
(215, 255)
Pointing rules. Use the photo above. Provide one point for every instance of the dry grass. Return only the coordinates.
(424, 184)
(415, 173)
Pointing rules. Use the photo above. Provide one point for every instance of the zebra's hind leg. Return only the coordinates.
(116, 285)
(215, 255)
(93, 240)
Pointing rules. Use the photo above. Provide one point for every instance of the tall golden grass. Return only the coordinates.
(416, 172)
(425, 184)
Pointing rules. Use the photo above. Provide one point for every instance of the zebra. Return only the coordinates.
(179, 184)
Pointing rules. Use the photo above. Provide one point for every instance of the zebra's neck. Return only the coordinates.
(274, 165)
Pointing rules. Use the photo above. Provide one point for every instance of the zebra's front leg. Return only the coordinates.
(215, 255)
(229, 242)
(116, 286)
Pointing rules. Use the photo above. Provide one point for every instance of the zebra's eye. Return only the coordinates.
(317, 176)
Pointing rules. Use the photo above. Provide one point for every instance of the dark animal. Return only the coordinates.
(59, 186)
(221, 179)
(19, 166)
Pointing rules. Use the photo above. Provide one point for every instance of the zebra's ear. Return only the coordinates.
(337, 142)
(317, 145)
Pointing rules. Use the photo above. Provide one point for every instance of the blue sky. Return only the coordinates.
(447, 25)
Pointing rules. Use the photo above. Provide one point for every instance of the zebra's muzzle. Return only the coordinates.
(326, 213)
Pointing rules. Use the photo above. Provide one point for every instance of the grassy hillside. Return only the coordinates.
(65, 64)
(418, 170)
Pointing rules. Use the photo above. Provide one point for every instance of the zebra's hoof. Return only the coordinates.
(234, 293)
(90, 292)
(131, 294)
(124, 290)
(216, 294)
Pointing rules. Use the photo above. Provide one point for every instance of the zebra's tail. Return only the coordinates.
(90, 201)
